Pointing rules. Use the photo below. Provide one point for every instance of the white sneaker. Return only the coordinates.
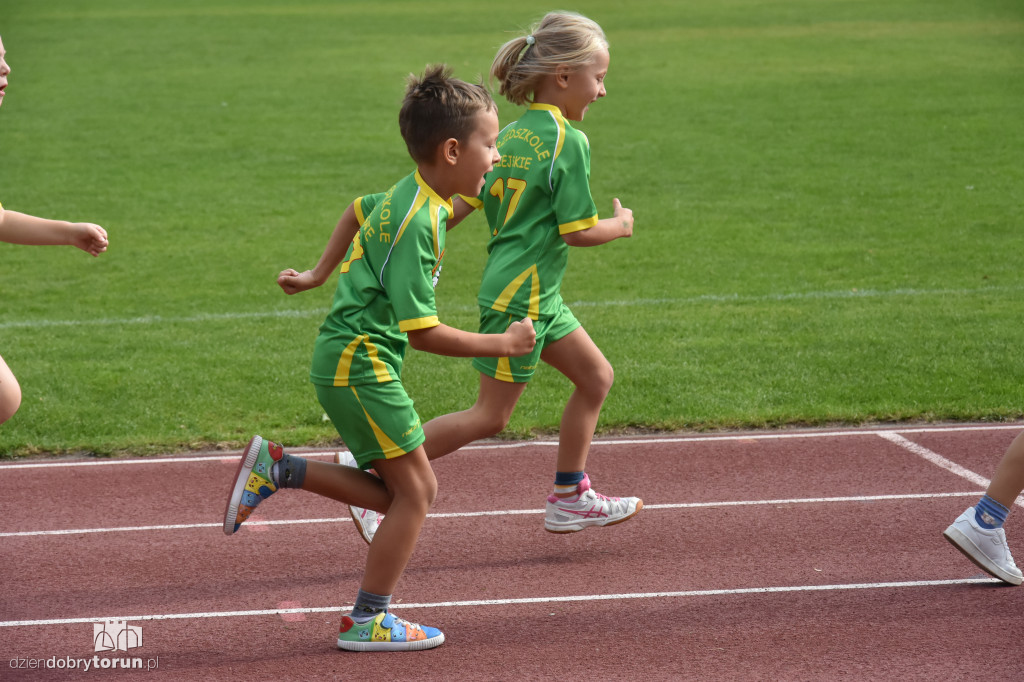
(591, 509)
(986, 547)
(366, 520)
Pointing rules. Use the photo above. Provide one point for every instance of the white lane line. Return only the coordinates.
(940, 461)
(638, 302)
(525, 600)
(603, 442)
(500, 512)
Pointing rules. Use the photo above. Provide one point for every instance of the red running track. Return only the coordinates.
(801, 555)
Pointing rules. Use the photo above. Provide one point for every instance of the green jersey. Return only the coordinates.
(385, 288)
(539, 191)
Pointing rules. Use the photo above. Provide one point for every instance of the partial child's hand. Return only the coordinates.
(293, 281)
(89, 238)
(522, 337)
(625, 218)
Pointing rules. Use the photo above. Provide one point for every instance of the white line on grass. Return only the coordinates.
(688, 300)
(500, 512)
(607, 442)
(940, 461)
(525, 600)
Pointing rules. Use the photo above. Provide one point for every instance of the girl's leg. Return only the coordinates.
(581, 361)
(10, 392)
(414, 487)
(487, 417)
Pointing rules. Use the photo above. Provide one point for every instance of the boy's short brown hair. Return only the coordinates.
(438, 107)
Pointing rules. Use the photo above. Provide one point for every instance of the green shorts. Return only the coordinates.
(549, 328)
(376, 421)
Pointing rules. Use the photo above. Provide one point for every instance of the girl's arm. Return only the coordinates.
(604, 231)
(293, 281)
(19, 228)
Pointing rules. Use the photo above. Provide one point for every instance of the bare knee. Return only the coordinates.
(489, 420)
(598, 382)
(10, 399)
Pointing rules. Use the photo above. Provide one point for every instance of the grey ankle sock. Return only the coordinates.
(368, 605)
(289, 472)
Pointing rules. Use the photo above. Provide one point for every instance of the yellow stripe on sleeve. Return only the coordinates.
(419, 323)
(577, 225)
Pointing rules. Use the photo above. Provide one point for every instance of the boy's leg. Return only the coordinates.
(370, 627)
(978, 532)
(10, 392)
(265, 467)
(449, 432)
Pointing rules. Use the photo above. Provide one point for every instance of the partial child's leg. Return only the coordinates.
(1008, 481)
(414, 487)
(582, 362)
(487, 417)
(369, 626)
(449, 432)
(10, 392)
(574, 505)
(265, 468)
(978, 532)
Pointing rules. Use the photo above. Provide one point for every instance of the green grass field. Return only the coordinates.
(827, 193)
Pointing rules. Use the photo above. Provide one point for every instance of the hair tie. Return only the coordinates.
(530, 40)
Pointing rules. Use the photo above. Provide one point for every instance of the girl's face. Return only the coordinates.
(4, 70)
(585, 85)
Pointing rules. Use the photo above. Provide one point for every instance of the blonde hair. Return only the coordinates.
(437, 107)
(560, 38)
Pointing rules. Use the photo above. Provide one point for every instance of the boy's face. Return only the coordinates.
(586, 86)
(4, 70)
(478, 153)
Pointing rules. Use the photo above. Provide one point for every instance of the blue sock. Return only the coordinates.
(989, 513)
(567, 482)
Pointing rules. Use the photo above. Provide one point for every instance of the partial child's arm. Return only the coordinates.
(518, 339)
(19, 228)
(604, 231)
(293, 281)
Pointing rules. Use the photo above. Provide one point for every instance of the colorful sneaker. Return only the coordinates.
(366, 520)
(387, 632)
(986, 547)
(253, 482)
(589, 509)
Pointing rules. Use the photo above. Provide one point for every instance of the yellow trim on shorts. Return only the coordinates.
(503, 372)
(387, 445)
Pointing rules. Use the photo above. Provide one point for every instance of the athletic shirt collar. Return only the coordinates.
(434, 196)
(547, 107)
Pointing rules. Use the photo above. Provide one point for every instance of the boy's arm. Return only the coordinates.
(20, 228)
(518, 339)
(604, 231)
(293, 281)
